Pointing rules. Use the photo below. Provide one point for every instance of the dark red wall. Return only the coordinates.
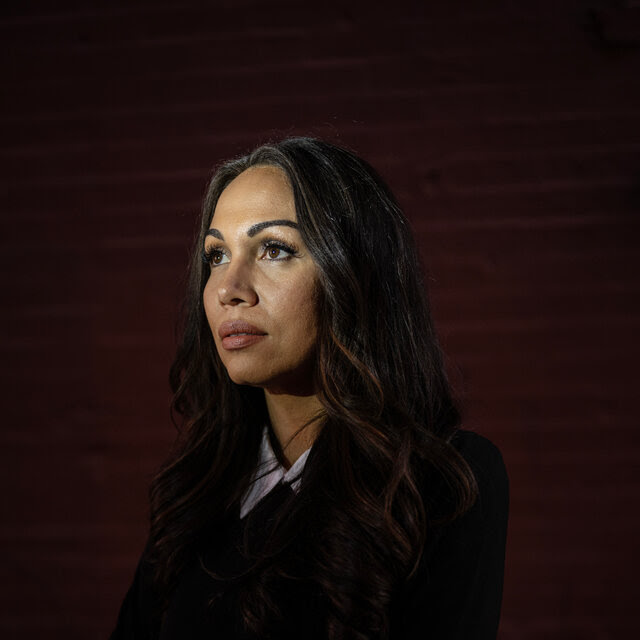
(511, 134)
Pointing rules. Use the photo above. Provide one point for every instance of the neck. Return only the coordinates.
(294, 422)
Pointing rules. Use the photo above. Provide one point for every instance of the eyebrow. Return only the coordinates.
(257, 228)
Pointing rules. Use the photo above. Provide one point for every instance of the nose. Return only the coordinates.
(236, 286)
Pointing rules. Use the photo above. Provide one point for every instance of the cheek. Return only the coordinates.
(305, 312)
(211, 308)
(208, 300)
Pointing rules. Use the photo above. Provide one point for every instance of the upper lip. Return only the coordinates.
(233, 327)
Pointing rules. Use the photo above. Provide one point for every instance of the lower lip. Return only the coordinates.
(240, 341)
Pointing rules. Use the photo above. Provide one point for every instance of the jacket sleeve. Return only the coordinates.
(139, 617)
(456, 593)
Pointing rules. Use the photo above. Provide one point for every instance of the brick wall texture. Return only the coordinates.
(510, 131)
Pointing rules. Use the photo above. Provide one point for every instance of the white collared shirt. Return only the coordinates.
(269, 473)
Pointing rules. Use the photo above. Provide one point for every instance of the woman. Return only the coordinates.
(320, 487)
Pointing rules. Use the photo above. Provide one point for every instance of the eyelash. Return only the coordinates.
(211, 252)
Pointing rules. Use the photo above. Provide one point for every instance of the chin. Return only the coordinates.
(247, 382)
(248, 376)
(295, 382)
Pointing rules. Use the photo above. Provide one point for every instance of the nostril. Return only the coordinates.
(237, 294)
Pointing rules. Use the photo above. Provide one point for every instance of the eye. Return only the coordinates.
(278, 251)
(214, 257)
(274, 252)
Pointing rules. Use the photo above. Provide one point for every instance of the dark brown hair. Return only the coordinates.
(388, 410)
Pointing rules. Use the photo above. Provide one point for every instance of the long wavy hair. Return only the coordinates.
(388, 415)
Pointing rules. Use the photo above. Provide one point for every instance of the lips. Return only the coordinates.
(238, 334)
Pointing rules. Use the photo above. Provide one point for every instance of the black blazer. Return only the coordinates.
(455, 595)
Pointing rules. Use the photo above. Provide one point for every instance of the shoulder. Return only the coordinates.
(456, 591)
(484, 458)
(489, 511)
(475, 447)
(490, 472)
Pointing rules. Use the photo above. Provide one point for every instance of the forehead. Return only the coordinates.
(258, 193)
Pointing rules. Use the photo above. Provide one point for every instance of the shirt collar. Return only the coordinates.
(269, 473)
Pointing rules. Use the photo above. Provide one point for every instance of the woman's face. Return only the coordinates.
(261, 295)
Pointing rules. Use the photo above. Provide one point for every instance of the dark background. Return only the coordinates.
(510, 132)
